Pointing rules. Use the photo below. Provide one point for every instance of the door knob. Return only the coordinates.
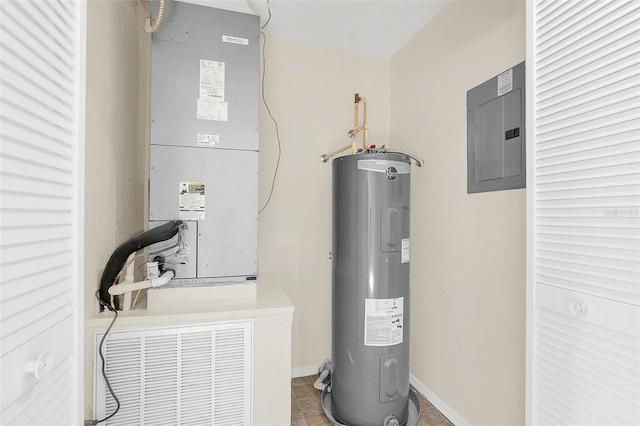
(577, 307)
(41, 367)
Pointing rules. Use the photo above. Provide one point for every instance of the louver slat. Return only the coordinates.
(38, 118)
(592, 384)
(588, 180)
(58, 383)
(192, 375)
(196, 378)
(586, 212)
(39, 216)
(229, 405)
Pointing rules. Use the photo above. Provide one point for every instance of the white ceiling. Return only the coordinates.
(375, 28)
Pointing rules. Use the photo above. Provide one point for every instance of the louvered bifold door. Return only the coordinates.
(40, 211)
(191, 375)
(584, 62)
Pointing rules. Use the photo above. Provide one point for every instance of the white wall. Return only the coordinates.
(116, 129)
(468, 251)
(310, 92)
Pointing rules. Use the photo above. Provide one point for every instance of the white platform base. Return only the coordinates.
(171, 298)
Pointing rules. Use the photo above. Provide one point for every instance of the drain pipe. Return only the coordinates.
(325, 372)
(121, 254)
(127, 287)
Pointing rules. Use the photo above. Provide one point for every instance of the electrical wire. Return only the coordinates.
(153, 28)
(104, 373)
(268, 19)
(264, 100)
(180, 244)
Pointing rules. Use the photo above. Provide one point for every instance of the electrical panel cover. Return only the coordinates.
(496, 133)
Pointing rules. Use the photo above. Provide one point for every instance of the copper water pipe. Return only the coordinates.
(353, 132)
(364, 128)
(365, 132)
(356, 106)
(326, 157)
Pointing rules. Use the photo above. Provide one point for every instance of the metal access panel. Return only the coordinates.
(179, 252)
(204, 141)
(496, 134)
(227, 226)
(205, 72)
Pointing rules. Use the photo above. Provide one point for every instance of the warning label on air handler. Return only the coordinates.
(383, 321)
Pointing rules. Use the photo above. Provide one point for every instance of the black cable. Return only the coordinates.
(104, 373)
(264, 100)
(267, 23)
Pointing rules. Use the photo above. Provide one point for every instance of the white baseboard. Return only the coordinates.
(442, 406)
(304, 371)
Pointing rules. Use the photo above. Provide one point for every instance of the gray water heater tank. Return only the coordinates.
(370, 283)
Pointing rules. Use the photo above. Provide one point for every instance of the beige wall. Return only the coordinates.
(310, 93)
(116, 131)
(116, 128)
(468, 251)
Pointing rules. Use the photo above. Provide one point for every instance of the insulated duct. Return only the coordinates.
(120, 255)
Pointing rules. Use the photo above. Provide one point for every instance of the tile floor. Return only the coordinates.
(307, 411)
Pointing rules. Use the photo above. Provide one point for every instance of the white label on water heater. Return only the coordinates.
(383, 321)
(406, 250)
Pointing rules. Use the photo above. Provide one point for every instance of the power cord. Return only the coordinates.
(268, 19)
(264, 100)
(104, 373)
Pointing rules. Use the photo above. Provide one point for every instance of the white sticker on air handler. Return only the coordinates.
(406, 250)
(383, 325)
(192, 201)
(212, 110)
(235, 40)
(210, 139)
(211, 80)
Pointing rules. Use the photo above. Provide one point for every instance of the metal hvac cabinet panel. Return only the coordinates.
(192, 34)
(204, 133)
(227, 238)
(180, 252)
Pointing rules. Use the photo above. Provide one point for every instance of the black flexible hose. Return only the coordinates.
(122, 253)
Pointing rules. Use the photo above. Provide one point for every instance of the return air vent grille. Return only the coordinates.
(191, 375)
